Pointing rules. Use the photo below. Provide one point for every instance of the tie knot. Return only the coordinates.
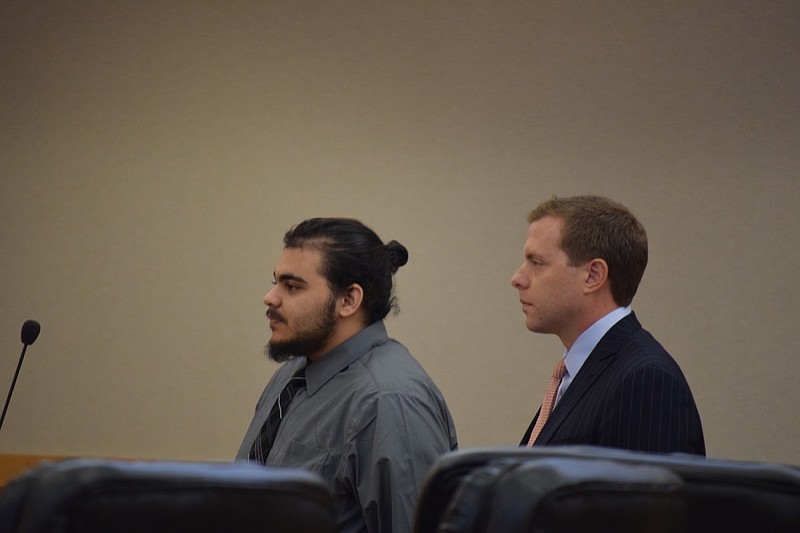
(560, 370)
(296, 382)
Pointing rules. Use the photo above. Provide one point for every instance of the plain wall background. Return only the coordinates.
(152, 154)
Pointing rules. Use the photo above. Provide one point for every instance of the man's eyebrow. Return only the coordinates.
(530, 256)
(289, 277)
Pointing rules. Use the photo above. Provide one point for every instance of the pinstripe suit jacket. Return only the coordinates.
(631, 394)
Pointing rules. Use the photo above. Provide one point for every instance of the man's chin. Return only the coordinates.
(279, 352)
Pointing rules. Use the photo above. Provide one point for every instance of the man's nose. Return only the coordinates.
(517, 280)
(270, 299)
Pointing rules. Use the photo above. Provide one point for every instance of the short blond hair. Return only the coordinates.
(597, 227)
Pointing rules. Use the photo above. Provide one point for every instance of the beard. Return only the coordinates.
(313, 333)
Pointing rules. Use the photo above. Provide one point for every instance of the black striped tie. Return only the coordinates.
(266, 437)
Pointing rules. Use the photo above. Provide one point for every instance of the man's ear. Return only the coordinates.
(596, 275)
(350, 300)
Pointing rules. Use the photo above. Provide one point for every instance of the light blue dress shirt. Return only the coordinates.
(585, 344)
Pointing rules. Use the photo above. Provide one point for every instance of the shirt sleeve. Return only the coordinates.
(402, 437)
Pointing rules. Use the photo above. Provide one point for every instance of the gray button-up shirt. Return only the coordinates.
(371, 422)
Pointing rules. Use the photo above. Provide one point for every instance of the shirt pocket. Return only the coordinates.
(300, 454)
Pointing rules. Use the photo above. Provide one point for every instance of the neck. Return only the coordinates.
(592, 315)
(345, 328)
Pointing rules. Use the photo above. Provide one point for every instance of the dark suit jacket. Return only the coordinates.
(630, 393)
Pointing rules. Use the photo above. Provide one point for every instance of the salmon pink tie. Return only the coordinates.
(548, 401)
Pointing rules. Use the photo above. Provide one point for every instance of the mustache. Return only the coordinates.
(273, 314)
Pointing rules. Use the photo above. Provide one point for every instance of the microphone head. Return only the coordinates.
(30, 331)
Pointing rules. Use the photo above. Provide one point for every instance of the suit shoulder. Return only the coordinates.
(642, 350)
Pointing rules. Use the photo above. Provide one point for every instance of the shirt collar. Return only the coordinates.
(588, 340)
(343, 355)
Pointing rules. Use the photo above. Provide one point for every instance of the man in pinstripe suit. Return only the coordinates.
(584, 257)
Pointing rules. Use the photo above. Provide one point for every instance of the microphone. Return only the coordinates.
(28, 335)
(30, 332)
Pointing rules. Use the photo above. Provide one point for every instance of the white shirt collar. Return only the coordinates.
(576, 356)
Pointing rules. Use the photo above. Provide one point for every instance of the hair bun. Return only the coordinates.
(398, 254)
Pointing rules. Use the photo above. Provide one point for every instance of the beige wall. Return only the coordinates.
(153, 153)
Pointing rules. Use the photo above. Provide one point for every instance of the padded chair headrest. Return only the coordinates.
(118, 496)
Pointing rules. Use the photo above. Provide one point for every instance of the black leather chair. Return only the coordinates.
(87, 495)
(721, 495)
(566, 495)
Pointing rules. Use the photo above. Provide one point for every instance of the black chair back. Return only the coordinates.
(721, 495)
(566, 495)
(86, 495)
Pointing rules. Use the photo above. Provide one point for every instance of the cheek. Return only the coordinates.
(551, 288)
(300, 313)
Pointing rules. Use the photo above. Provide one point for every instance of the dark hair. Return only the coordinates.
(353, 253)
(596, 227)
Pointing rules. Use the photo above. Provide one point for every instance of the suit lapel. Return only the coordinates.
(592, 370)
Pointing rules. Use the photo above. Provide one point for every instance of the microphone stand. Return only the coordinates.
(28, 335)
(13, 383)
